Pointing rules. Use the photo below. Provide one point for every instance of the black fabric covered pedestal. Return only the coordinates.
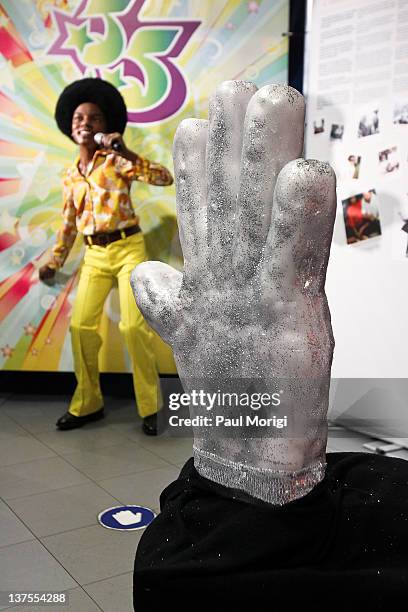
(344, 546)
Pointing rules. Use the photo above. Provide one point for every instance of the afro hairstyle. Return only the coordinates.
(97, 91)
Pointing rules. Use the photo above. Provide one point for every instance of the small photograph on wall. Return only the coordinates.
(336, 131)
(369, 124)
(389, 160)
(401, 112)
(403, 220)
(361, 216)
(404, 228)
(318, 126)
(353, 167)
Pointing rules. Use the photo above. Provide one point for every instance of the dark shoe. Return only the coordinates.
(149, 426)
(69, 421)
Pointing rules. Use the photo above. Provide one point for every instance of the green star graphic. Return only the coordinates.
(78, 36)
(115, 77)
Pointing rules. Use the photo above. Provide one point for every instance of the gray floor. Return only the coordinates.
(54, 484)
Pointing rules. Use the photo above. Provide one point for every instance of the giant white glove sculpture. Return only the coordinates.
(249, 309)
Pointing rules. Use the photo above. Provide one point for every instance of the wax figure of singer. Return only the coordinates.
(96, 193)
(262, 515)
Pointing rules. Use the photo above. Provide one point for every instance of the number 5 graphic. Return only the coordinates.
(110, 37)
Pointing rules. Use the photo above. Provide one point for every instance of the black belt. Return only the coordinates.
(105, 238)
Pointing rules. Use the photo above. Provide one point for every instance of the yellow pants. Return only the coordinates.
(102, 265)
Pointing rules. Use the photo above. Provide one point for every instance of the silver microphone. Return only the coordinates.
(116, 145)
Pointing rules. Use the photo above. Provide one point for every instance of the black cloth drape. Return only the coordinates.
(342, 546)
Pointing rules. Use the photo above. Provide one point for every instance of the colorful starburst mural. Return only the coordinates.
(166, 57)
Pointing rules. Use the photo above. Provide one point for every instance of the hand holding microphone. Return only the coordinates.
(116, 143)
(110, 141)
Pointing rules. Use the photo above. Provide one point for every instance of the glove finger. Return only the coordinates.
(273, 136)
(227, 110)
(298, 243)
(156, 288)
(189, 150)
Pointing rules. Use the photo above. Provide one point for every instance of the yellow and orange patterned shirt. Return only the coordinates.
(100, 201)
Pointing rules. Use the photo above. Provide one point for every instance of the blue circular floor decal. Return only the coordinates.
(126, 518)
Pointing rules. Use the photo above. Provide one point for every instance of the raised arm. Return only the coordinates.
(141, 169)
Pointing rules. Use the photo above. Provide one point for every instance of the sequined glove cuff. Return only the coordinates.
(274, 487)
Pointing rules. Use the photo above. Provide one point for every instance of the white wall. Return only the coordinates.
(357, 63)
